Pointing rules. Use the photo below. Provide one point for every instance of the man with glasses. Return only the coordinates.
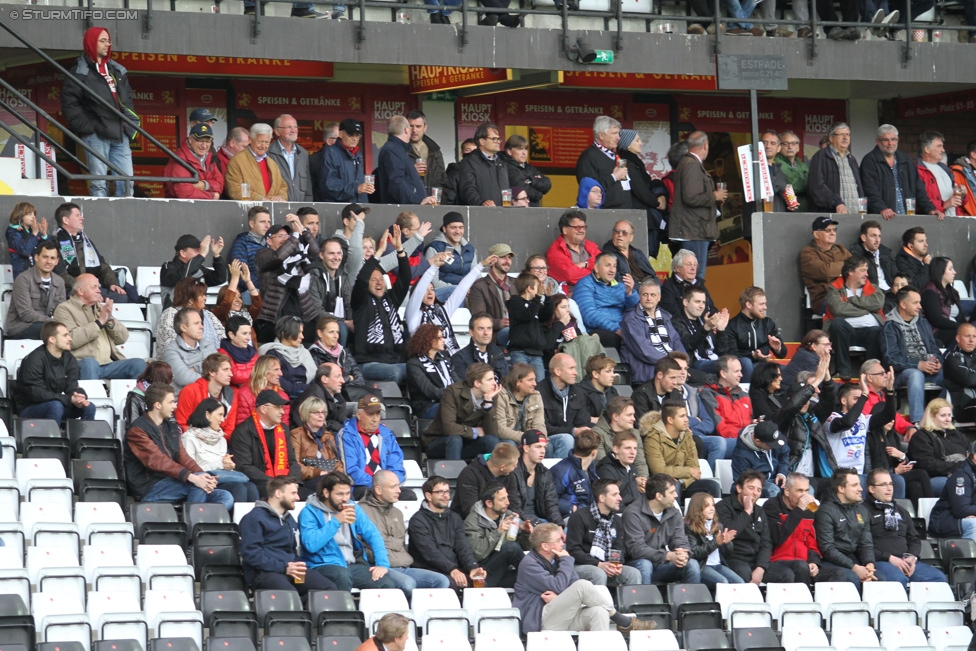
(482, 174)
(195, 152)
(330, 134)
(437, 541)
(821, 261)
(854, 314)
(630, 260)
(572, 257)
(835, 178)
(890, 176)
(896, 543)
(797, 172)
(520, 199)
(292, 158)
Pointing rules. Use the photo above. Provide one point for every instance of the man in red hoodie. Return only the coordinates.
(195, 151)
(96, 124)
(727, 404)
(790, 517)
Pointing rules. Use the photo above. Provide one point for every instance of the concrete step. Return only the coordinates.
(12, 183)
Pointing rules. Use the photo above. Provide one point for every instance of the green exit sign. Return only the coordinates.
(604, 56)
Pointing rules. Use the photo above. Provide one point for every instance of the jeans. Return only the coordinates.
(628, 575)
(380, 372)
(667, 572)
(534, 361)
(700, 247)
(770, 489)
(968, 526)
(938, 483)
(706, 365)
(237, 484)
(168, 489)
(843, 335)
(747, 366)
(355, 575)
(123, 369)
(445, 3)
(442, 293)
(560, 445)
(408, 579)
(431, 412)
(843, 571)
(455, 447)
(717, 449)
(503, 333)
(33, 331)
(713, 574)
(923, 572)
(56, 411)
(118, 154)
(915, 380)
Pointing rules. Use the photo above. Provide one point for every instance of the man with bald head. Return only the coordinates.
(960, 373)
(630, 259)
(380, 507)
(564, 405)
(95, 334)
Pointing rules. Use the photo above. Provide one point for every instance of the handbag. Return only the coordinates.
(327, 465)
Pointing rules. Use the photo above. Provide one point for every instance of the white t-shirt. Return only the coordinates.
(848, 446)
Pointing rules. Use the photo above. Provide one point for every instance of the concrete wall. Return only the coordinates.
(142, 232)
(778, 238)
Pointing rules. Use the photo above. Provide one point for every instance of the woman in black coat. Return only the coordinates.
(428, 370)
(938, 447)
(645, 193)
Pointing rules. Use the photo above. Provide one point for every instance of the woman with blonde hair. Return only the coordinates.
(23, 234)
(938, 447)
(707, 538)
(313, 441)
(266, 375)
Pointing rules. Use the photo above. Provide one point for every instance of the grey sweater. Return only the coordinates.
(535, 576)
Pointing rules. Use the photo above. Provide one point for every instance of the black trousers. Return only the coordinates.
(276, 581)
(777, 572)
(848, 10)
(502, 566)
(843, 336)
(607, 338)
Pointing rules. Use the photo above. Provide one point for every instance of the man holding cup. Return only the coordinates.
(397, 178)
(269, 544)
(891, 180)
(342, 177)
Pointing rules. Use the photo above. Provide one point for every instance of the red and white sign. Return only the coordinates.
(27, 157)
(744, 156)
(765, 178)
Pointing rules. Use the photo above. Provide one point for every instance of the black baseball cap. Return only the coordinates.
(766, 432)
(351, 127)
(278, 227)
(202, 115)
(269, 397)
(821, 223)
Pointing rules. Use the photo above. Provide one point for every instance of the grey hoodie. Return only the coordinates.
(914, 344)
(649, 537)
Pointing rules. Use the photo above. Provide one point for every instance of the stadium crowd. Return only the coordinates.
(246, 400)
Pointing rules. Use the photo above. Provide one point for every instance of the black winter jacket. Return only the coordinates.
(397, 180)
(366, 307)
(580, 531)
(752, 542)
(783, 522)
(879, 184)
(345, 360)
(609, 467)
(425, 385)
(844, 533)
(888, 543)
(248, 454)
(671, 291)
(562, 419)
(595, 164)
(462, 359)
(929, 450)
(43, 378)
(750, 335)
(82, 114)
(960, 377)
(176, 270)
(472, 479)
(535, 183)
(824, 186)
(436, 176)
(481, 180)
(695, 337)
(700, 546)
(916, 270)
(546, 504)
(270, 265)
(596, 400)
(887, 262)
(958, 501)
(437, 542)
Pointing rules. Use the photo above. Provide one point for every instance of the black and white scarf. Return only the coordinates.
(892, 518)
(603, 536)
(657, 331)
(384, 315)
(437, 315)
(293, 267)
(437, 366)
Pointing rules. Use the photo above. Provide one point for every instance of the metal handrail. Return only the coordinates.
(118, 176)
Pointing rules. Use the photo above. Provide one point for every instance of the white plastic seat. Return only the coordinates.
(549, 641)
(446, 643)
(925, 506)
(61, 617)
(173, 614)
(43, 480)
(13, 577)
(800, 637)
(744, 600)
(12, 535)
(240, 510)
(55, 571)
(115, 616)
(9, 496)
(600, 641)
(15, 350)
(843, 639)
(937, 605)
(110, 569)
(49, 525)
(841, 606)
(706, 470)
(490, 611)
(723, 468)
(895, 637)
(793, 606)
(663, 640)
(439, 613)
(145, 278)
(8, 444)
(413, 475)
(888, 603)
(101, 556)
(407, 508)
(103, 523)
(500, 642)
(164, 568)
(549, 463)
(376, 603)
(946, 636)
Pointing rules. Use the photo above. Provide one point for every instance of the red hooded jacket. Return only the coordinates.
(209, 172)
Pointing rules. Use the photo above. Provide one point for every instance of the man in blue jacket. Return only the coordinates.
(602, 300)
(367, 446)
(334, 531)
(343, 174)
(397, 179)
(762, 448)
(269, 544)
(246, 245)
(954, 515)
(572, 475)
